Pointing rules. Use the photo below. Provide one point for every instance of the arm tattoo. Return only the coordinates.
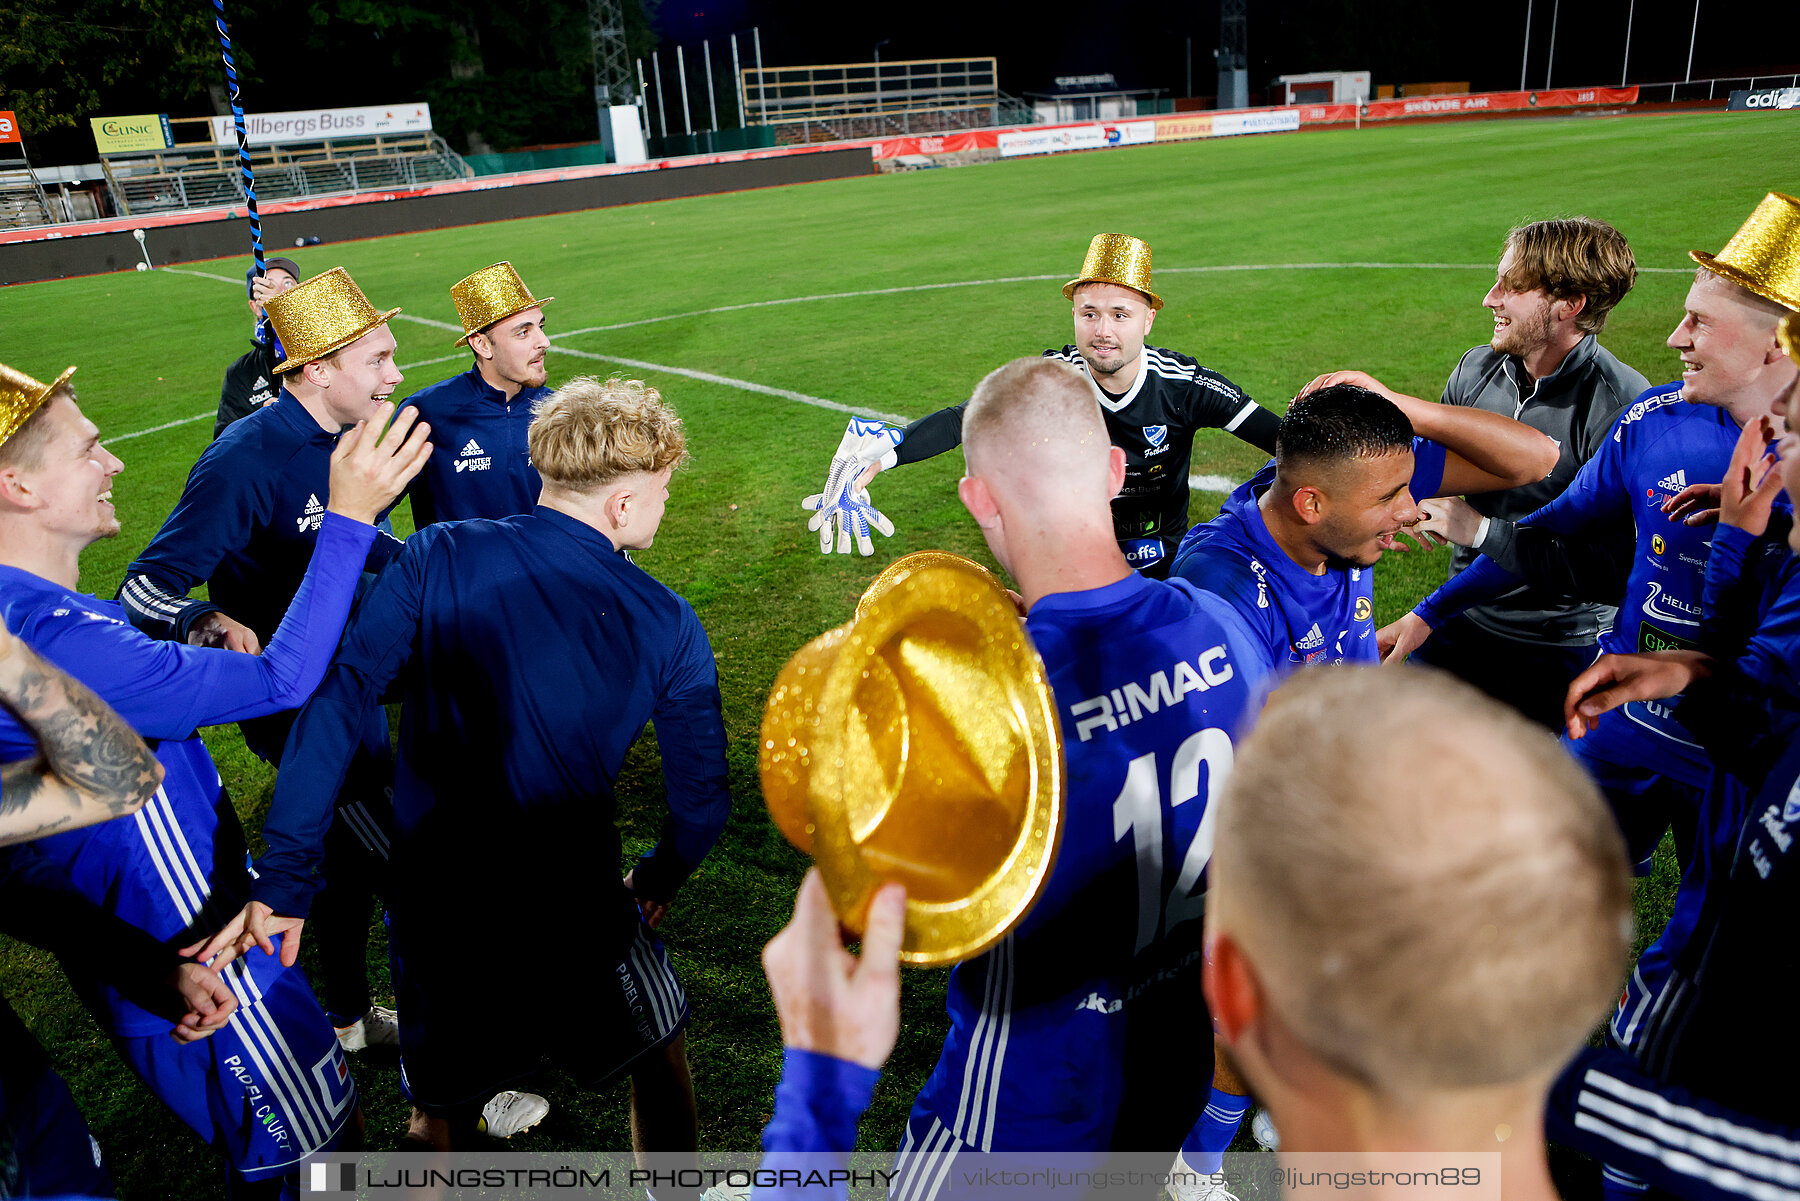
(87, 755)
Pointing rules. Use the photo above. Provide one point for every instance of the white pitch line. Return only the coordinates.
(708, 377)
(704, 376)
(1211, 483)
(157, 429)
(224, 279)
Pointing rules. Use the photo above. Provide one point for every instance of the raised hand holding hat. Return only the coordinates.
(919, 743)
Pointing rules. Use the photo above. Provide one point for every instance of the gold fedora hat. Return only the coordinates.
(20, 396)
(920, 743)
(322, 315)
(1116, 259)
(491, 294)
(1763, 255)
(1788, 332)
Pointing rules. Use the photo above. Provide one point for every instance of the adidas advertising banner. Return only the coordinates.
(1767, 98)
(318, 124)
(961, 1175)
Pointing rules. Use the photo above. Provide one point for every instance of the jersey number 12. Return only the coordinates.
(1138, 811)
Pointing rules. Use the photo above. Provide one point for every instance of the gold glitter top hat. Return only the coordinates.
(1764, 255)
(1788, 333)
(322, 315)
(491, 294)
(20, 396)
(1116, 259)
(920, 743)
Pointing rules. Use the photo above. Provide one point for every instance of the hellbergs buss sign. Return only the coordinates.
(319, 124)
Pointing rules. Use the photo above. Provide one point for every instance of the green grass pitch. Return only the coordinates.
(1245, 232)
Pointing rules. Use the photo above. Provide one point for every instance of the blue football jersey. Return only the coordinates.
(1658, 447)
(178, 868)
(1299, 618)
(1154, 683)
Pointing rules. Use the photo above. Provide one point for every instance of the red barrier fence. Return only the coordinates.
(1472, 103)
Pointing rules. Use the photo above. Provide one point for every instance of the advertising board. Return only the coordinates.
(319, 124)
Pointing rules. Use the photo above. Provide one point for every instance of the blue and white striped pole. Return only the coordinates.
(243, 138)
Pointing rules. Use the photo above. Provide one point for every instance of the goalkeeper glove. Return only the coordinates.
(843, 510)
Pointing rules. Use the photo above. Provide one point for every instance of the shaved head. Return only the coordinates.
(1432, 894)
(1034, 433)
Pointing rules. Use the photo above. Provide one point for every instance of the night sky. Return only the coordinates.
(1144, 43)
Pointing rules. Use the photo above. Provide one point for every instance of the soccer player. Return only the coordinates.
(1153, 401)
(1740, 699)
(1679, 434)
(1096, 990)
(245, 526)
(1363, 966)
(1403, 950)
(250, 381)
(483, 465)
(1293, 547)
(1556, 284)
(272, 1085)
(527, 653)
(88, 767)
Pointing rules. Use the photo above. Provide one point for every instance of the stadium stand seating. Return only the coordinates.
(22, 201)
(876, 100)
(207, 176)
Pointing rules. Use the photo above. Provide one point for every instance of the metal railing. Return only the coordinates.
(1711, 89)
(841, 101)
(208, 176)
(22, 201)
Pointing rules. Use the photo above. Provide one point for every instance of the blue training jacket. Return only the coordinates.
(527, 654)
(244, 526)
(480, 463)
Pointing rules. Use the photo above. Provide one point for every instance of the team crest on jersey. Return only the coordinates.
(1657, 545)
(1158, 438)
(1365, 608)
(1791, 811)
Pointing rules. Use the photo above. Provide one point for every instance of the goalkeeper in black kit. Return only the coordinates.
(1152, 399)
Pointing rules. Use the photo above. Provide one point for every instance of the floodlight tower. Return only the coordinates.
(1234, 54)
(613, 80)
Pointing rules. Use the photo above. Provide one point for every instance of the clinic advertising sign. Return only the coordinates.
(321, 124)
(124, 135)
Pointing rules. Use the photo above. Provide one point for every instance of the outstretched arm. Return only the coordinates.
(90, 766)
(1487, 452)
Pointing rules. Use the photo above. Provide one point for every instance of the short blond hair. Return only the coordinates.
(590, 432)
(1431, 891)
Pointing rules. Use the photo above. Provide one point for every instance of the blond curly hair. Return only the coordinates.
(590, 432)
